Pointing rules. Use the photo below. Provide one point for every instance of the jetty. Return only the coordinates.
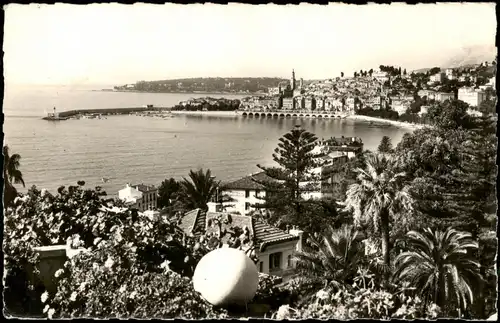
(54, 116)
(64, 115)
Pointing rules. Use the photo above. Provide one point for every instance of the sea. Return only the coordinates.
(135, 149)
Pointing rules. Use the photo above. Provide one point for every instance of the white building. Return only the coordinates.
(142, 197)
(437, 78)
(245, 192)
(275, 248)
(423, 110)
(471, 96)
(450, 73)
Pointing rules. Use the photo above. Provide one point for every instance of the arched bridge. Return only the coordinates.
(291, 114)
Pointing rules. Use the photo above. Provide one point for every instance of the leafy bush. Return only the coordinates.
(110, 282)
(358, 304)
(81, 217)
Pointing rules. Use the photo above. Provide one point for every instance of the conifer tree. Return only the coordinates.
(385, 146)
(290, 183)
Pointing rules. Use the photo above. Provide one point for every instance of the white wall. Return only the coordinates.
(240, 200)
(287, 249)
(129, 194)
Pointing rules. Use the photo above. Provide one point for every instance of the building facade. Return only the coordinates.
(244, 193)
(471, 96)
(140, 196)
(437, 78)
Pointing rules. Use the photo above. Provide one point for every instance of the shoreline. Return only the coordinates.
(210, 113)
(190, 92)
(400, 124)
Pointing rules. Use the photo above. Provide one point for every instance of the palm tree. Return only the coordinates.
(378, 196)
(442, 266)
(198, 190)
(334, 257)
(11, 174)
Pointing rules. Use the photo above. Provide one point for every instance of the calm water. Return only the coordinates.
(148, 150)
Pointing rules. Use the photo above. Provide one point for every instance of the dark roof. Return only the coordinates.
(196, 222)
(144, 188)
(248, 182)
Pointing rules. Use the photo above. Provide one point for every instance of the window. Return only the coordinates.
(247, 206)
(257, 193)
(247, 193)
(261, 267)
(275, 261)
(289, 261)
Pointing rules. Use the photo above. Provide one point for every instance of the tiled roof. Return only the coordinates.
(249, 182)
(196, 221)
(265, 233)
(144, 188)
(188, 220)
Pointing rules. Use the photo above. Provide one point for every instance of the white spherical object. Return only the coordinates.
(226, 276)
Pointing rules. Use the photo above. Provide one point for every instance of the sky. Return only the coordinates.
(120, 44)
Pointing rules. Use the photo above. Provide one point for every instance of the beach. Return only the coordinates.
(401, 124)
(208, 113)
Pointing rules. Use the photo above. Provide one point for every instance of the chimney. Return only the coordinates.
(298, 233)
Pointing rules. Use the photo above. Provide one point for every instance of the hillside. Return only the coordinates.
(470, 56)
(210, 84)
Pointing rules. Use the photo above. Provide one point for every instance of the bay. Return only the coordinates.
(138, 149)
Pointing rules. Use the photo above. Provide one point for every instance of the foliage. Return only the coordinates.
(11, 175)
(384, 114)
(441, 266)
(451, 114)
(357, 304)
(379, 196)
(167, 192)
(334, 256)
(385, 146)
(110, 282)
(453, 173)
(198, 190)
(81, 217)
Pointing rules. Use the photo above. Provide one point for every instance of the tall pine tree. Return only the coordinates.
(291, 183)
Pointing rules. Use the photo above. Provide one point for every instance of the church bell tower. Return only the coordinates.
(292, 81)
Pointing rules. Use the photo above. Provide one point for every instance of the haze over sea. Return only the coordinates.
(146, 150)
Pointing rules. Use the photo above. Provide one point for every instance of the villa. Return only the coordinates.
(140, 196)
(275, 248)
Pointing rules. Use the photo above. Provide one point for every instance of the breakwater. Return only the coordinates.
(70, 113)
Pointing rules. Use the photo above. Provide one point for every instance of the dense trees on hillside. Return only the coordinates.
(214, 85)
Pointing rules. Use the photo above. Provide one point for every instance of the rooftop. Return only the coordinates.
(249, 182)
(144, 188)
(196, 222)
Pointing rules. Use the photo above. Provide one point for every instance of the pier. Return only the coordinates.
(70, 113)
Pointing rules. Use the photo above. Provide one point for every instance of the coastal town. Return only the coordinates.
(325, 192)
